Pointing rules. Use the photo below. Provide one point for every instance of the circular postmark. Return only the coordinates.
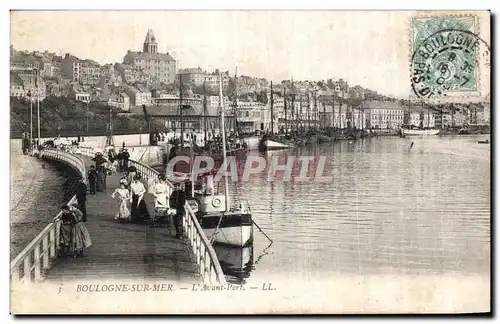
(447, 62)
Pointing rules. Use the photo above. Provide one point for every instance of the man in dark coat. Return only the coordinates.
(126, 156)
(81, 197)
(92, 176)
(178, 198)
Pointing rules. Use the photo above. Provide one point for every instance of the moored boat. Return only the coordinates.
(221, 221)
(267, 144)
(234, 227)
(483, 142)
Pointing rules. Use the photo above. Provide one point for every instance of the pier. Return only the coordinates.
(119, 250)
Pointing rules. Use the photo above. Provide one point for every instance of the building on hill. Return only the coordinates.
(139, 95)
(194, 76)
(79, 93)
(130, 74)
(85, 72)
(24, 82)
(160, 67)
(212, 80)
(16, 86)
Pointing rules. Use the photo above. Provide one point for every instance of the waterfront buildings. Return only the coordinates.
(420, 117)
(383, 114)
(159, 67)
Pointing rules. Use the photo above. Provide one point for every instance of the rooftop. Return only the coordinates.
(150, 56)
(375, 104)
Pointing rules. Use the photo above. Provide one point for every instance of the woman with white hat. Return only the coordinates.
(123, 195)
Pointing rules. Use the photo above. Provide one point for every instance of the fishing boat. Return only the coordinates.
(483, 142)
(223, 221)
(267, 143)
(419, 132)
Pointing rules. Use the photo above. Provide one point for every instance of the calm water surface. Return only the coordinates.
(388, 210)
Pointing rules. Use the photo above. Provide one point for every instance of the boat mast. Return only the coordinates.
(204, 115)
(293, 105)
(235, 111)
(428, 119)
(180, 109)
(226, 191)
(285, 100)
(272, 109)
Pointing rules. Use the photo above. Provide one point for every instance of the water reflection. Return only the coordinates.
(236, 262)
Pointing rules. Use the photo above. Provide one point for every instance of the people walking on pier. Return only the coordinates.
(81, 197)
(161, 194)
(92, 176)
(74, 236)
(179, 199)
(131, 173)
(139, 211)
(126, 157)
(100, 163)
(119, 157)
(123, 195)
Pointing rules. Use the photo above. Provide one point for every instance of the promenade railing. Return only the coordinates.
(38, 256)
(204, 253)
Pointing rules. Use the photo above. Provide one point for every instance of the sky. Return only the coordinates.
(370, 49)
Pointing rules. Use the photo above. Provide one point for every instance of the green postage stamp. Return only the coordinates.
(447, 56)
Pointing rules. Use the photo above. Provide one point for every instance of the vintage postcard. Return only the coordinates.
(250, 162)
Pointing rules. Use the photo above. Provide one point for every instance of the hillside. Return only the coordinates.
(60, 115)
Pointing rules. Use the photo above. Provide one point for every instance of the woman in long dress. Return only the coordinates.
(161, 192)
(123, 195)
(74, 234)
(139, 211)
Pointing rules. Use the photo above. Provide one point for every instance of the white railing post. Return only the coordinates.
(52, 242)
(45, 252)
(37, 263)
(27, 268)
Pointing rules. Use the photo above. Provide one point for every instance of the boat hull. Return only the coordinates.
(269, 145)
(420, 132)
(233, 229)
(252, 142)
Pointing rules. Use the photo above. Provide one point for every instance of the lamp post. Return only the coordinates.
(37, 102)
(31, 119)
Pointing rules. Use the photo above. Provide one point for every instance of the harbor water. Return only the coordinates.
(388, 211)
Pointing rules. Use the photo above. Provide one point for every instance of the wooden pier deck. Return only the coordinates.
(126, 251)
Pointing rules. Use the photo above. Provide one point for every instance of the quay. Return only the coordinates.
(119, 250)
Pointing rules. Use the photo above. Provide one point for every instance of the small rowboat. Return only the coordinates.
(483, 142)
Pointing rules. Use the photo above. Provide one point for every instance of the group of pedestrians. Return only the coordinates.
(74, 236)
(132, 208)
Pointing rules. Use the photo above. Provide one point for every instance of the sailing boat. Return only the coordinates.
(421, 131)
(221, 222)
(266, 143)
(184, 146)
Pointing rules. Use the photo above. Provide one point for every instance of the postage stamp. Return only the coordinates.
(447, 56)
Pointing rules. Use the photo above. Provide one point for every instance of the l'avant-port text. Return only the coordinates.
(231, 287)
